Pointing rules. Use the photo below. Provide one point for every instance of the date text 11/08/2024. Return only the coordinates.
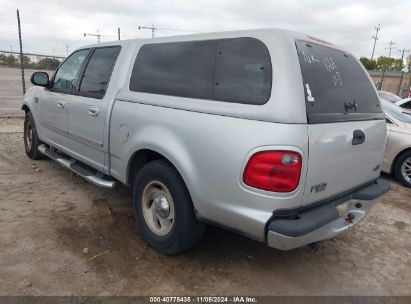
(204, 299)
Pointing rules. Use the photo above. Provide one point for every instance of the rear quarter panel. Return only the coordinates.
(210, 152)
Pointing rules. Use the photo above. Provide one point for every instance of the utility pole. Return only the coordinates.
(21, 54)
(377, 29)
(402, 70)
(152, 28)
(409, 73)
(391, 43)
(118, 33)
(67, 49)
(409, 84)
(98, 35)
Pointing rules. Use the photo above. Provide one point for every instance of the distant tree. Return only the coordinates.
(398, 64)
(10, 60)
(368, 63)
(26, 60)
(389, 64)
(48, 63)
(2, 59)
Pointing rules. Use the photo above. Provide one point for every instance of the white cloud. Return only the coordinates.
(48, 26)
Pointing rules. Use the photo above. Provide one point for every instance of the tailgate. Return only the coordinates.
(335, 164)
(346, 126)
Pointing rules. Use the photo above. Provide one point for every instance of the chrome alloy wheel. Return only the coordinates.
(158, 208)
(406, 169)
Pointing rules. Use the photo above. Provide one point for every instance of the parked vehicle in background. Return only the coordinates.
(397, 160)
(264, 132)
(391, 97)
(405, 104)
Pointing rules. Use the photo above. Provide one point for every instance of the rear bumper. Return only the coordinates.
(324, 221)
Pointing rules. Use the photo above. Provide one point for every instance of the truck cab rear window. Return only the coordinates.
(336, 86)
(98, 71)
(234, 70)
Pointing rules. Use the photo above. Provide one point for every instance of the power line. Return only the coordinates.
(36, 47)
(153, 29)
(391, 43)
(29, 48)
(32, 54)
(177, 30)
(60, 48)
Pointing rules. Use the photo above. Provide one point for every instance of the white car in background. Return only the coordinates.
(388, 96)
(405, 104)
(397, 160)
(397, 100)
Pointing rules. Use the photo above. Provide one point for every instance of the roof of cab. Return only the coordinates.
(213, 35)
(286, 85)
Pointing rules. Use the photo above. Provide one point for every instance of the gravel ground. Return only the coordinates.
(60, 235)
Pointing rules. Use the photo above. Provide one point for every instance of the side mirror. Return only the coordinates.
(40, 79)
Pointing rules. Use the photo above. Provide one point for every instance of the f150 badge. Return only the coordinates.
(319, 187)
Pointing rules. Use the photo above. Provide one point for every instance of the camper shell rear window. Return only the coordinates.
(336, 87)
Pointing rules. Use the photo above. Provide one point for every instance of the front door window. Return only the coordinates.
(67, 74)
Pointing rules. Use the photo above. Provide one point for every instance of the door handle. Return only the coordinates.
(60, 105)
(93, 111)
(358, 137)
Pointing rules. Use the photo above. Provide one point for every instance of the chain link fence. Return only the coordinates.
(11, 89)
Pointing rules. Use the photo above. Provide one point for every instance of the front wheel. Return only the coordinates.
(31, 139)
(402, 169)
(163, 207)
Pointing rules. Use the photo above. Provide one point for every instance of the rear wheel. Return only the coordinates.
(31, 139)
(402, 169)
(163, 207)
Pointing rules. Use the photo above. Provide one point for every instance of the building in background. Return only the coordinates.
(391, 81)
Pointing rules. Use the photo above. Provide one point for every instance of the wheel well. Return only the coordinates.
(397, 157)
(25, 108)
(139, 159)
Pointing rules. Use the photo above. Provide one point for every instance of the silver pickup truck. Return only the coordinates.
(277, 135)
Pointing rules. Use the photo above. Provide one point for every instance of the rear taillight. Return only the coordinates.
(277, 171)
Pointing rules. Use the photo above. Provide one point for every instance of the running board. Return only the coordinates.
(91, 175)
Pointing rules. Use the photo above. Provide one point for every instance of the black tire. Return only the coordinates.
(186, 230)
(404, 157)
(31, 139)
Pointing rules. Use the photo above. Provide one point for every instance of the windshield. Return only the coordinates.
(404, 103)
(389, 96)
(396, 112)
